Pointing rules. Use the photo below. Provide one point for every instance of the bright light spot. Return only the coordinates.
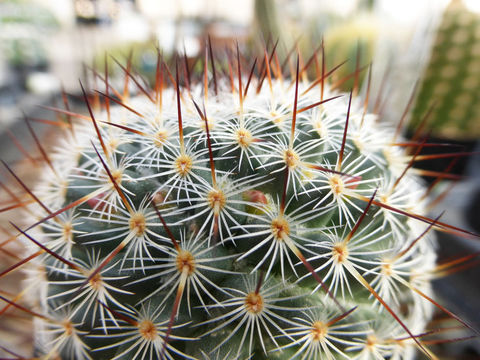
(165, 32)
(472, 5)
(131, 27)
(410, 11)
(190, 45)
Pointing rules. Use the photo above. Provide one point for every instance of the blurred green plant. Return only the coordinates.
(23, 27)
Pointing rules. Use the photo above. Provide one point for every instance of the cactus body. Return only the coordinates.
(450, 82)
(259, 225)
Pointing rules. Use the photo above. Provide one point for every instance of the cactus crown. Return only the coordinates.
(253, 216)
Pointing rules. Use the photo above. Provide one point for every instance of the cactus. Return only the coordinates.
(256, 216)
(455, 56)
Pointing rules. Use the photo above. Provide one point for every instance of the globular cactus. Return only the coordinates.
(250, 216)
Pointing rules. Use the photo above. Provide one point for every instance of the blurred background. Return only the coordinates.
(432, 46)
(47, 45)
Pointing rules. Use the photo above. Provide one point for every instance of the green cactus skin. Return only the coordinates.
(277, 231)
(451, 81)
